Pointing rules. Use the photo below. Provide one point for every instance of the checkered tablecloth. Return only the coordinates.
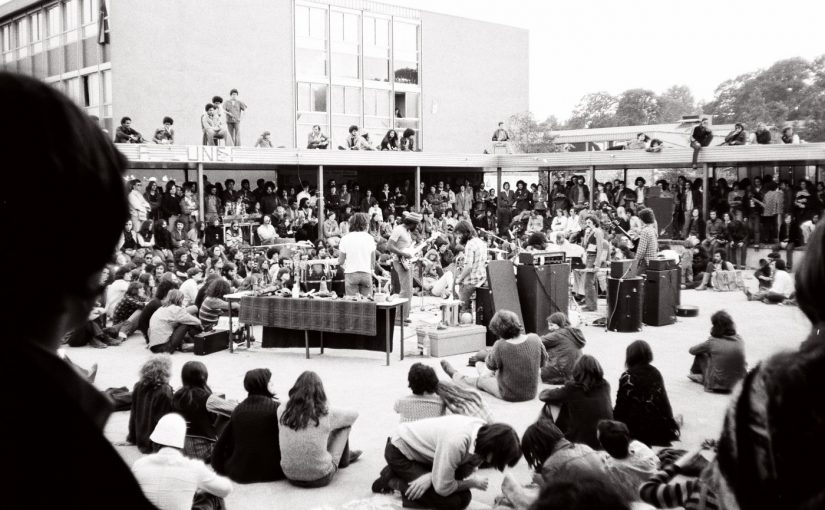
(328, 315)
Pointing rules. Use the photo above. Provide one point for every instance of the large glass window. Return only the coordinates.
(53, 18)
(6, 43)
(405, 52)
(106, 79)
(376, 49)
(345, 39)
(70, 20)
(89, 17)
(312, 97)
(377, 103)
(73, 90)
(311, 42)
(36, 29)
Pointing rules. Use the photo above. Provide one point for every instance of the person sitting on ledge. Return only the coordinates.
(781, 288)
(563, 344)
(511, 370)
(424, 401)
(717, 264)
(719, 361)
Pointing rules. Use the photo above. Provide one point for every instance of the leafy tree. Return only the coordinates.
(637, 107)
(528, 135)
(676, 102)
(594, 111)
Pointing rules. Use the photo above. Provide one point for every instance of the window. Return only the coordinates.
(70, 20)
(376, 32)
(73, 90)
(310, 63)
(34, 22)
(345, 65)
(23, 32)
(91, 89)
(89, 15)
(7, 53)
(310, 22)
(312, 97)
(376, 49)
(106, 79)
(377, 103)
(310, 43)
(53, 18)
(346, 100)
(405, 51)
(345, 40)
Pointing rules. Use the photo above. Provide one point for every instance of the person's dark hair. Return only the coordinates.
(638, 353)
(359, 222)
(218, 288)
(505, 324)
(233, 91)
(422, 379)
(409, 132)
(157, 370)
(721, 253)
(539, 441)
(640, 180)
(208, 106)
(122, 271)
(307, 402)
(647, 216)
(256, 382)
(614, 436)
(228, 268)
(134, 288)
(168, 120)
(780, 265)
(217, 99)
(83, 163)
(464, 231)
(722, 324)
(353, 128)
(163, 288)
(580, 493)
(500, 442)
(124, 119)
(559, 319)
(193, 376)
(587, 373)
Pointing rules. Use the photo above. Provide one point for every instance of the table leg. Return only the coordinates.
(390, 325)
(322, 342)
(401, 341)
(306, 342)
(231, 341)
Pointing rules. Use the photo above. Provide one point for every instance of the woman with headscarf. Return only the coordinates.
(248, 450)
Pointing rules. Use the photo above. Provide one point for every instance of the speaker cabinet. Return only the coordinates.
(542, 290)
(624, 304)
(661, 297)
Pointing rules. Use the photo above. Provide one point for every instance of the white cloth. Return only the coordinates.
(114, 293)
(189, 288)
(267, 233)
(782, 283)
(401, 236)
(169, 480)
(359, 248)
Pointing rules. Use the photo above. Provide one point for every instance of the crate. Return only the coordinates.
(457, 340)
(211, 341)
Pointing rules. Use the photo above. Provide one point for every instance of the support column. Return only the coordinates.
(418, 189)
(321, 202)
(498, 180)
(200, 191)
(624, 177)
(705, 171)
(592, 184)
(185, 176)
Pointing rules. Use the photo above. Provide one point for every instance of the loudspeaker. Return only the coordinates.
(501, 278)
(211, 341)
(485, 311)
(662, 207)
(620, 268)
(661, 292)
(660, 264)
(542, 290)
(624, 304)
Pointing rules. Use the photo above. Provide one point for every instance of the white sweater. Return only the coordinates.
(169, 480)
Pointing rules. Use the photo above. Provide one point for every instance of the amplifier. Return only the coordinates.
(621, 268)
(660, 264)
(624, 304)
(211, 341)
(540, 258)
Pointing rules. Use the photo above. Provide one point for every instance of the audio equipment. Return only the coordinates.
(540, 258)
(485, 311)
(624, 304)
(661, 289)
(501, 277)
(660, 264)
(211, 341)
(542, 290)
(687, 311)
(620, 268)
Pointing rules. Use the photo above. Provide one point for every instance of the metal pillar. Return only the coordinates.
(498, 180)
(200, 191)
(705, 171)
(592, 184)
(185, 175)
(418, 189)
(321, 202)
(624, 177)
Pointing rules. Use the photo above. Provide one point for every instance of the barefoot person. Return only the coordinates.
(400, 240)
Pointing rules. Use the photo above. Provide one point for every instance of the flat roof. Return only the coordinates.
(189, 156)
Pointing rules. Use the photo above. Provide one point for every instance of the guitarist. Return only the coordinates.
(400, 241)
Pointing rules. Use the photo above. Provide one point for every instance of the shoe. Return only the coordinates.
(701, 287)
(748, 295)
(407, 321)
(448, 369)
(354, 455)
(697, 378)
(122, 335)
(472, 361)
(381, 485)
(92, 373)
(97, 344)
(114, 342)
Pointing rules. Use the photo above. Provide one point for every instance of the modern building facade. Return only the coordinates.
(296, 63)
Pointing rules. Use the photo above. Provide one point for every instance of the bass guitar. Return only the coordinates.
(407, 262)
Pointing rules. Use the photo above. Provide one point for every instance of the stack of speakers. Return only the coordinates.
(662, 293)
(542, 290)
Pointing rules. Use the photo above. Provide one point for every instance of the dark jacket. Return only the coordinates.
(702, 135)
(725, 364)
(642, 405)
(735, 138)
(149, 403)
(146, 315)
(191, 404)
(581, 410)
(563, 350)
(213, 235)
(248, 450)
(169, 206)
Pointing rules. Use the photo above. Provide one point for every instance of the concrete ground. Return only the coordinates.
(360, 380)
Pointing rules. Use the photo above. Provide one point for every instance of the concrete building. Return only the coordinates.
(295, 64)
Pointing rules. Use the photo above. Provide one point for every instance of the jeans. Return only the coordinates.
(466, 291)
(235, 132)
(696, 148)
(211, 135)
(591, 293)
(406, 283)
(176, 339)
(769, 229)
(737, 253)
(408, 470)
(358, 282)
(754, 224)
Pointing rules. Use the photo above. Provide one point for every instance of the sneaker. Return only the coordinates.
(354, 455)
(97, 344)
(381, 484)
(114, 342)
(122, 335)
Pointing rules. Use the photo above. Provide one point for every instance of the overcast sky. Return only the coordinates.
(585, 46)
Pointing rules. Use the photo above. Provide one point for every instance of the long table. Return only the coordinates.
(356, 324)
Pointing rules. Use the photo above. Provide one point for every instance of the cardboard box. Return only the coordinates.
(211, 341)
(457, 340)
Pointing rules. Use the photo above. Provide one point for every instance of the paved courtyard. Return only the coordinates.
(360, 380)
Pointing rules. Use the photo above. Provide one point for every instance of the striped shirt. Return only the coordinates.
(416, 407)
(475, 255)
(691, 493)
(648, 243)
(210, 312)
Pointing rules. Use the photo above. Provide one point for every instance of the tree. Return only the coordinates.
(676, 102)
(594, 111)
(531, 136)
(637, 107)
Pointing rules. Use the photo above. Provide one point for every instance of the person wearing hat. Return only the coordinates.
(264, 140)
(174, 482)
(400, 240)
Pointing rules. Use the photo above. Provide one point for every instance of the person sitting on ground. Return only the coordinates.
(314, 438)
(264, 140)
(248, 450)
(563, 344)
(582, 493)
(424, 401)
(763, 275)
(512, 368)
(641, 401)
(463, 401)
(584, 401)
(214, 305)
(781, 288)
(117, 289)
(431, 462)
(356, 142)
(719, 362)
(390, 141)
(664, 490)
(170, 325)
(127, 312)
(762, 135)
(737, 136)
(151, 399)
(165, 135)
(173, 481)
(201, 408)
(629, 462)
(717, 264)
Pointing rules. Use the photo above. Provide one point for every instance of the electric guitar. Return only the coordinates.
(407, 262)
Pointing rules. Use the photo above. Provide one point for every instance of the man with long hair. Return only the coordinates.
(400, 240)
(356, 254)
(474, 270)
